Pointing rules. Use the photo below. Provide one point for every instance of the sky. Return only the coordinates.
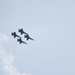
(51, 23)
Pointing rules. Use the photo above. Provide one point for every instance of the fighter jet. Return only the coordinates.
(21, 31)
(14, 34)
(20, 41)
(28, 37)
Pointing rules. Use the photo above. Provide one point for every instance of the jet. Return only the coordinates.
(14, 34)
(28, 37)
(21, 31)
(20, 41)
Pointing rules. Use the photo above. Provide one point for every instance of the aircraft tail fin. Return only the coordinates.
(11, 33)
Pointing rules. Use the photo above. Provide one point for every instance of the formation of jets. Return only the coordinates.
(19, 39)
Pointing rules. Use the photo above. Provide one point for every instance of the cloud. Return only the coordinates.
(3, 38)
(7, 60)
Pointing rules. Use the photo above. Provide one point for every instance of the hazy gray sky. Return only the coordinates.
(52, 24)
